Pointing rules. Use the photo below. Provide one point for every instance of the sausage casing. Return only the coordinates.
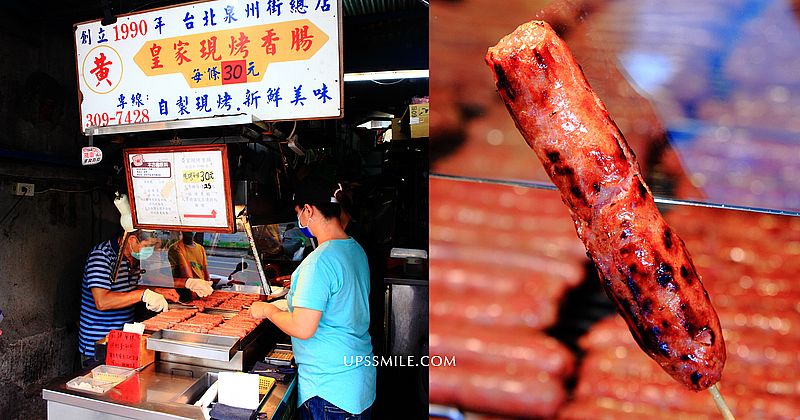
(644, 267)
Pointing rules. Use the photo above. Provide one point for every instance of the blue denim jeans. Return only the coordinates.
(317, 408)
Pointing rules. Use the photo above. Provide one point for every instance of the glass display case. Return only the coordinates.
(159, 257)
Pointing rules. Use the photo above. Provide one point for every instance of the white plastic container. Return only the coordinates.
(101, 380)
(87, 383)
(112, 374)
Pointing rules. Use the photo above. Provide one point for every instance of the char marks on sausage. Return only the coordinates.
(643, 265)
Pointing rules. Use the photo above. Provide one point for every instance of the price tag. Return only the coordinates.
(91, 156)
(123, 349)
(234, 72)
(180, 186)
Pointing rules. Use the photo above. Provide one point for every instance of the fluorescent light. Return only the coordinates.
(386, 75)
(375, 124)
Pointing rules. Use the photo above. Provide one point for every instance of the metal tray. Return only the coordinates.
(277, 291)
(241, 288)
(204, 346)
(226, 313)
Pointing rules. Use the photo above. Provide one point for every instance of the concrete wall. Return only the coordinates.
(45, 239)
(43, 245)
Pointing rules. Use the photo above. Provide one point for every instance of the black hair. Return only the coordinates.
(317, 191)
(345, 202)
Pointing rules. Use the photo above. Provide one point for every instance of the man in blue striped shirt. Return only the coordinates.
(107, 305)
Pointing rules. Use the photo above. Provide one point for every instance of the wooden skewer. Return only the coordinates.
(721, 406)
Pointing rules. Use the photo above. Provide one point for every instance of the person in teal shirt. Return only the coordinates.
(328, 316)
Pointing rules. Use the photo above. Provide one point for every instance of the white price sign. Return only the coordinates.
(271, 60)
(180, 188)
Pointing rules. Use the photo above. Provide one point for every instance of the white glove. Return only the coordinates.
(201, 287)
(154, 301)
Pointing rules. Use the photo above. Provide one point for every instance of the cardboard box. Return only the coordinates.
(399, 130)
(418, 120)
(146, 357)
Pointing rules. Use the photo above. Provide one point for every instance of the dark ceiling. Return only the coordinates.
(378, 34)
(367, 7)
(82, 10)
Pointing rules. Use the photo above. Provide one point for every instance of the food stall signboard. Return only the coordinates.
(202, 63)
(180, 188)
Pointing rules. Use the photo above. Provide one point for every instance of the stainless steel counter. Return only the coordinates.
(163, 390)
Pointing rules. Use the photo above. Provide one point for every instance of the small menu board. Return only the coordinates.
(123, 349)
(180, 188)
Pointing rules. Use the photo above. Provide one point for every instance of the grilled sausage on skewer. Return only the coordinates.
(644, 266)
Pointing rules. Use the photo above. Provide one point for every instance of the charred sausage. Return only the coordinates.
(644, 266)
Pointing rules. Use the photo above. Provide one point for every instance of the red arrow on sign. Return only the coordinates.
(203, 216)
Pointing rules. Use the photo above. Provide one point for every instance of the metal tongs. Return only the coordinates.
(243, 218)
(283, 370)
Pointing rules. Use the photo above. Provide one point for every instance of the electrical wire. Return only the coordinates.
(284, 161)
(8, 213)
(45, 179)
(65, 191)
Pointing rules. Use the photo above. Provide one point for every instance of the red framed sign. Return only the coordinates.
(180, 188)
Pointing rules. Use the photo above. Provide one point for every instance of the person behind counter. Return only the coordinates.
(107, 305)
(328, 316)
(190, 265)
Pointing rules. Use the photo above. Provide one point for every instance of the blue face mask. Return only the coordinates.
(306, 231)
(144, 253)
